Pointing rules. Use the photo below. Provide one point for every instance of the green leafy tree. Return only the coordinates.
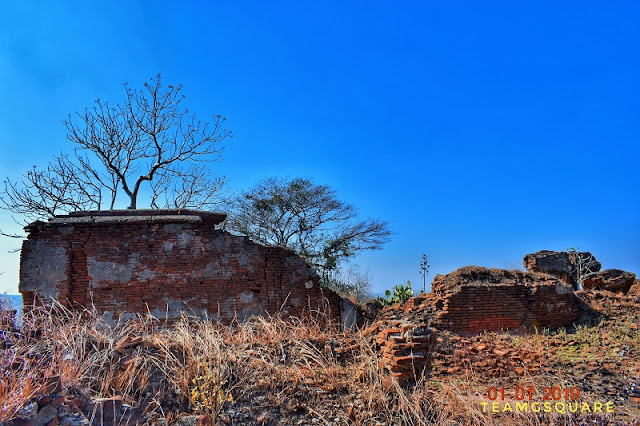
(307, 218)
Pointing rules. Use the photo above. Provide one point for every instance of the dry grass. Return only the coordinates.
(275, 369)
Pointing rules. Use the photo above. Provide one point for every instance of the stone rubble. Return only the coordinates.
(614, 280)
(405, 347)
(56, 409)
(565, 265)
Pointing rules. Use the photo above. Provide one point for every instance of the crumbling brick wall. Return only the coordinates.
(164, 262)
(473, 299)
(406, 347)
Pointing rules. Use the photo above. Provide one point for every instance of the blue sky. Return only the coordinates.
(481, 131)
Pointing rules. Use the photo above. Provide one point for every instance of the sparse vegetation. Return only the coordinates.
(584, 264)
(354, 284)
(399, 294)
(424, 271)
(286, 370)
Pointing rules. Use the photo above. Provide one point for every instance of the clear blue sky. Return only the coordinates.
(481, 131)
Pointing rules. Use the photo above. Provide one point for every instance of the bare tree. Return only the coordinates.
(583, 263)
(351, 282)
(307, 218)
(148, 138)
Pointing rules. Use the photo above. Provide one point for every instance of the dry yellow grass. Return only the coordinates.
(271, 370)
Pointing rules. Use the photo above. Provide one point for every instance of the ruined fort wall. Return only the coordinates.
(164, 263)
(472, 300)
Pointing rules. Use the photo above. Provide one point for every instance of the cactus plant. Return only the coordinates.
(401, 293)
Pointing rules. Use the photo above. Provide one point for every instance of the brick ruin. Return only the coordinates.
(168, 262)
(164, 262)
(471, 300)
(405, 347)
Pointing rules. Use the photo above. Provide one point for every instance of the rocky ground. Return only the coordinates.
(277, 372)
(600, 358)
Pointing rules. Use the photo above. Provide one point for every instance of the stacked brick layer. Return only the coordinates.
(405, 347)
(165, 264)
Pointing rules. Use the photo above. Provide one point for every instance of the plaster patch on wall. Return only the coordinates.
(146, 274)
(44, 268)
(563, 289)
(167, 246)
(126, 316)
(101, 272)
(348, 314)
(218, 244)
(215, 270)
(300, 270)
(244, 260)
(185, 239)
(173, 228)
(246, 297)
(108, 318)
(228, 304)
(66, 230)
(250, 312)
(174, 306)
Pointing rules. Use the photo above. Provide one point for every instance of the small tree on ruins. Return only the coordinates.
(583, 264)
(149, 138)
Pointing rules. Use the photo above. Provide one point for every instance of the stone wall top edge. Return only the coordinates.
(147, 212)
(480, 284)
(125, 217)
(141, 212)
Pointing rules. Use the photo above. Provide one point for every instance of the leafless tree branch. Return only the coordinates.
(149, 138)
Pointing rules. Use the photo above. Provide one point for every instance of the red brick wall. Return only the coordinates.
(165, 262)
(473, 309)
(472, 300)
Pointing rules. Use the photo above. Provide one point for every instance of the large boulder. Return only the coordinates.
(615, 280)
(548, 261)
(478, 275)
(567, 266)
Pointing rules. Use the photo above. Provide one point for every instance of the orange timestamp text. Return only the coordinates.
(528, 394)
